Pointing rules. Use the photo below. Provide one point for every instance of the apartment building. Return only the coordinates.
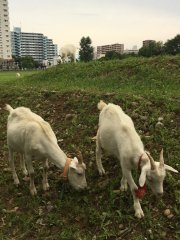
(31, 44)
(134, 50)
(102, 50)
(147, 42)
(5, 37)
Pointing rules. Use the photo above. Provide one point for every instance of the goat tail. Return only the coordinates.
(101, 105)
(8, 108)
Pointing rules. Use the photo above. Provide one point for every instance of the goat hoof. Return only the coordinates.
(139, 214)
(46, 187)
(101, 172)
(33, 192)
(16, 182)
(25, 173)
(123, 187)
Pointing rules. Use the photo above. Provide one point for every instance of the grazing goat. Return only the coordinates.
(117, 136)
(32, 137)
(68, 51)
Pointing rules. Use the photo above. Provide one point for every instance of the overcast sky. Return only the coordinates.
(105, 21)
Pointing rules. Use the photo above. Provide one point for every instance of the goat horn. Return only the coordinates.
(80, 157)
(153, 166)
(161, 164)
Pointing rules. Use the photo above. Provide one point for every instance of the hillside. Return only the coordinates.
(66, 96)
(158, 74)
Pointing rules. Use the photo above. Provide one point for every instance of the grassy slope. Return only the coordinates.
(146, 89)
(133, 75)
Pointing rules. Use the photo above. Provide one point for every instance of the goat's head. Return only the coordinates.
(155, 172)
(76, 174)
(59, 59)
(62, 55)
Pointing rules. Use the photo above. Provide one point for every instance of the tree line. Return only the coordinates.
(154, 48)
(170, 47)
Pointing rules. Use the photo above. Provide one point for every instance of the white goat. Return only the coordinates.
(68, 51)
(118, 137)
(30, 135)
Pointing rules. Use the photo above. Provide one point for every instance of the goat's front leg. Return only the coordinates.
(137, 206)
(45, 175)
(124, 185)
(11, 163)
(31, 174)
(98, 156)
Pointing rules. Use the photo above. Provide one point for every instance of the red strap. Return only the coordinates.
(64, 175)
(140, 192)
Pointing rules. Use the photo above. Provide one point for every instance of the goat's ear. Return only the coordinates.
(74, 163)
(169, 168)
(75, 160)
(142, 178)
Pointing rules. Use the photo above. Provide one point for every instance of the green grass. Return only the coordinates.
(9, 77)
(146, 89)
(152, 76)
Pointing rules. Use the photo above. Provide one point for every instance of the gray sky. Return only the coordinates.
(105, 21)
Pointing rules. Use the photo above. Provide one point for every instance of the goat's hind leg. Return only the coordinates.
(12, 166)
(98, 156)
(31, 174)
(23, 166)
(45, 175)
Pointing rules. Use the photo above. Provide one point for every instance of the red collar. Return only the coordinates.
(140, 192)
(64, 175)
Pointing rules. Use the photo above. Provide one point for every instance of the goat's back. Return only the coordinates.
(24, 125)
(68, 49)
(114, 116)
(117, 131)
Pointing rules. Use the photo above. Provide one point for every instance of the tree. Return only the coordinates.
(86, 50)
(173, 46)
(112, 55)
(153, 49)
(26, 62)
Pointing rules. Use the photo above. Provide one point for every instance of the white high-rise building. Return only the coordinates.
(31, 44)
(5, 36)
